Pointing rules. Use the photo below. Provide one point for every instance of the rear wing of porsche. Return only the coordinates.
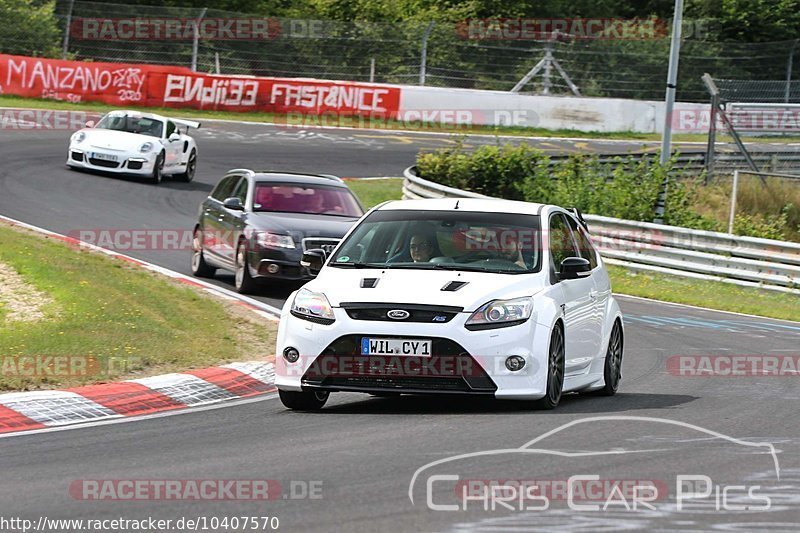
(186, 123)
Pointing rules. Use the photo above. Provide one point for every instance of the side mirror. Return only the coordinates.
(90, 123)
(174, 136)
(233, 203)
(574, 268)
(313, 260)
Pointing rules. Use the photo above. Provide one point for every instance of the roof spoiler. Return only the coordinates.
(577, 212)
(187, 123)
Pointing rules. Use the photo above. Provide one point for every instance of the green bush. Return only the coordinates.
(765, 226)
(627, 189)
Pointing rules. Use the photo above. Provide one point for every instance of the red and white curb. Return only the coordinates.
(23, 411)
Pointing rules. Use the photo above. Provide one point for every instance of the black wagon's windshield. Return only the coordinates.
(486, 242)
(314, 200)
(132, 124)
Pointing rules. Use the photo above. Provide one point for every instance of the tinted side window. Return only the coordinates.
(224, 188)
(561, 243)
(585, 246)
(240, 191)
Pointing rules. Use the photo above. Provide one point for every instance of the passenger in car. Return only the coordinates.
(512, 251)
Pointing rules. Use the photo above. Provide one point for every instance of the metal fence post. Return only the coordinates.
(711, 149)
(372, 70)
(733, 200)
(548, 67)
(672, 80)
(67, 29)
(195, 41)
(424, 58)
(789, 65)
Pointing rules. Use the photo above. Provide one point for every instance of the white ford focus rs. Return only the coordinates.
(134, 143)
(454, 296)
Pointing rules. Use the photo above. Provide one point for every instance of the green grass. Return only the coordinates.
(108, 312)
(711, 294)
(374, 192)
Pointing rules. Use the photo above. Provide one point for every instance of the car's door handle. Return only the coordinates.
(593, 294)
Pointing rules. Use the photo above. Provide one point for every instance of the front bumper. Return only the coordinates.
(461, 361)
(135, 164)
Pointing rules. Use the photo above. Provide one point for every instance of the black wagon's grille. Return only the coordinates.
(389, 312)
(450, 369)
(328, 245)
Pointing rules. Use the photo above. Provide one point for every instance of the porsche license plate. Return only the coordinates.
(104, 157)
(413, 347)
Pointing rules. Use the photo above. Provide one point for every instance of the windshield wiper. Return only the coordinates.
(478, 268)
(358, 264)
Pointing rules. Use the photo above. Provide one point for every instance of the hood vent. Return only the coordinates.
(453, 286)
(369, 283)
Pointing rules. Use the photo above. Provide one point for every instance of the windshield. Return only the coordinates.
(308, 199)
(448, 240)
(132, 124)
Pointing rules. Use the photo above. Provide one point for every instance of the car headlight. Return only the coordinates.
(501, 314)
(146, 147)
(78, 137)
(272, 240)
(313, 306)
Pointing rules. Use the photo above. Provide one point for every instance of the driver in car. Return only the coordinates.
(420, 248)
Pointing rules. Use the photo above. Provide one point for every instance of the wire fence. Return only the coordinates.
(413, 52)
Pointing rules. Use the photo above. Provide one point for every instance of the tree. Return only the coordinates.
(29, 28)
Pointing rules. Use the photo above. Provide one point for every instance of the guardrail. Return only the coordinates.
(695, 162)
(746, 261)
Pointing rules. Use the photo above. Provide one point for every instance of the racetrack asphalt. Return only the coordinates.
(363, 450)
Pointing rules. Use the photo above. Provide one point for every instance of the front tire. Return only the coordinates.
(200, 268)
(244, 283)
(191, 167)
(612, 369)
(305, 400)
(158, 170)
(555, 370)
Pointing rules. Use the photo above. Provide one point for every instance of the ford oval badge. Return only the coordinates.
(398, 314)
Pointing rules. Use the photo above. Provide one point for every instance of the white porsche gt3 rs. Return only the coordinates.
(134, 143)
(454, 296)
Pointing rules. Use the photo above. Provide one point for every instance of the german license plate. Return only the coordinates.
(105, 157)
(413, 347)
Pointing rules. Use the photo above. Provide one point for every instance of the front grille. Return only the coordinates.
(450, 369)
(135, 165)
(327, 245)
(393, 383)
(77, 156)
(416, 312)
(103, 163)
